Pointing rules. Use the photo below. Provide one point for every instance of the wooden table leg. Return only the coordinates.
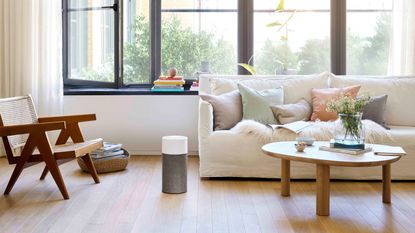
(323, 190)
(285, 177)
(386, 180)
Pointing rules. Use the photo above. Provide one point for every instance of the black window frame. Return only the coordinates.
(245, 37)
(70, 83)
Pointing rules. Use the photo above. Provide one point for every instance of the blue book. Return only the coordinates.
(181, 89)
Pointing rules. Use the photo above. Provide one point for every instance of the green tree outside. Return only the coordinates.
(185, 50)
(180, 48)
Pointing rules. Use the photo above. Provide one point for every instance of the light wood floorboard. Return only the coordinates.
(132, 201)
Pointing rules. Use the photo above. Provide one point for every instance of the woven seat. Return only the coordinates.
(26, 142)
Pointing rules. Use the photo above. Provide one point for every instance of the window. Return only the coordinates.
(137, 42)
(293, 40)
(368, 36)
(129, 43)
(90, 42)
(199, 36)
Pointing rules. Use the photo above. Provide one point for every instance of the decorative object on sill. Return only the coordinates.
(107, 164)
(170, 83)
(172, 72)
(349, 131)
(194, 86)
(205, 69)
(174, 152)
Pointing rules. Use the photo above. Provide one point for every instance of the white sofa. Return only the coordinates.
(227, 154)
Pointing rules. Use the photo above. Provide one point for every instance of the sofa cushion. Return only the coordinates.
(400, 91)
(288, 113)
(375, 110)
(296, 87)
(256, 104)
(227, 109)
(320, 97)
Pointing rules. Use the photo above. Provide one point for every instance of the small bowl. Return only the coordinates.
(300, 146)
(307, 140)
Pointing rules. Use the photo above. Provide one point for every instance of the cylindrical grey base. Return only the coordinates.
(174, 173)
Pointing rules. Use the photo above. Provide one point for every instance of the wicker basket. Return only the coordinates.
(107, 165)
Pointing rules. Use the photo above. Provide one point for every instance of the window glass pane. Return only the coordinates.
(136, 42)
(292, 4)
(299, 41)
(89, 3)
(199, 36)
(368, 36)
(91, 45)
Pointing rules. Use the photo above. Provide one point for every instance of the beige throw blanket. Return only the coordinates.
(321, 131)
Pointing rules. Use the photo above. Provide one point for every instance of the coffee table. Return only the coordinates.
(324, 159)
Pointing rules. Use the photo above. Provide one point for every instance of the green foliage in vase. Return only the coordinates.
(346, 104)
(349, 110)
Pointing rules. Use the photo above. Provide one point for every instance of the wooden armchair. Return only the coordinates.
(26, 141)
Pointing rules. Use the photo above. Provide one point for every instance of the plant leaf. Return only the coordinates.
(286, 22)
(284, 38)
(274, 24)
(280, 6)
(248, 67)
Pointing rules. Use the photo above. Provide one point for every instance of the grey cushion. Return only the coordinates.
(256, 104)
(375, 110)
(227, 109)
(288, 113)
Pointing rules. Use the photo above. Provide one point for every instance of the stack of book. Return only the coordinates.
(110, 150)
(168, 84)
(334, 147)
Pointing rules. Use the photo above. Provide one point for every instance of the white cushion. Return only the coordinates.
(402, 135)
(296, 87)
(400, 91)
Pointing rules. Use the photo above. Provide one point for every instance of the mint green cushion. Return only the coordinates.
(256, 104)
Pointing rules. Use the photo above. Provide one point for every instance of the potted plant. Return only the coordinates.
(349, 131)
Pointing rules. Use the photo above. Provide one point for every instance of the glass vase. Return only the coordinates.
(349, 131)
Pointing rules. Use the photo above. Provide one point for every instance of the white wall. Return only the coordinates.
(138, 122)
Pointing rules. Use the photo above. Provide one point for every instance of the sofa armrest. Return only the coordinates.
(205, 119)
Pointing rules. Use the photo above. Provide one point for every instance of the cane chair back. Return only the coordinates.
(16, 111)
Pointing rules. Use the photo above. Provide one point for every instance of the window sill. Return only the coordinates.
(121, 91)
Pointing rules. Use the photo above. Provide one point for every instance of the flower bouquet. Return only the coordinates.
(349, 128)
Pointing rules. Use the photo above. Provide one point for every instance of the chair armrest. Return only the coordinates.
(72, 129)
(30, 128)
(69, 118)
(205, 119)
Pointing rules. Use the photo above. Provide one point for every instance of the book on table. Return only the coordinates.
(346, 151)
(389, 151)
(295, 127)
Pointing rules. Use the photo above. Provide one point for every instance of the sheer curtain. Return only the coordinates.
(402, 49)
(30, 52)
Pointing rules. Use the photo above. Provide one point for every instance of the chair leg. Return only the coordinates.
(16, 173)
(44, 173)
(91, 168)
(52, 166)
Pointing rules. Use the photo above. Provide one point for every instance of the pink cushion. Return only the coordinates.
(320, 98)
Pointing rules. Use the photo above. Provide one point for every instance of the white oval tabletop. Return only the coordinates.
(312, 154)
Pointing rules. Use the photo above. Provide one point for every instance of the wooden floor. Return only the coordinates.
(131, 201)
